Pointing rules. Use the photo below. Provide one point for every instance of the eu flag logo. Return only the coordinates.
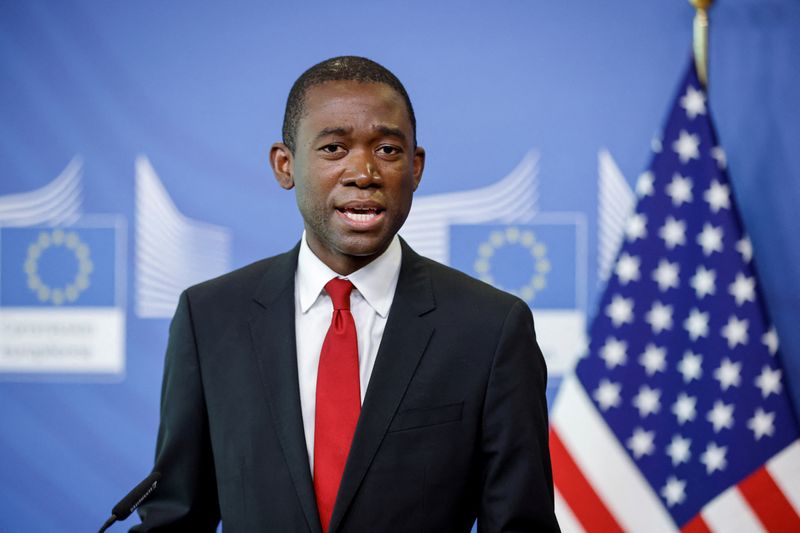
(60, 267)
(61, 304)
(535, 261)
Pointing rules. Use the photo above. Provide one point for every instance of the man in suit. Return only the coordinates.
(351, 385)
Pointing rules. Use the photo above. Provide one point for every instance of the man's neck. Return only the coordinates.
(344, 265)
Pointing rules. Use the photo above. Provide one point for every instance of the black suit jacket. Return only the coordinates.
(453, 424)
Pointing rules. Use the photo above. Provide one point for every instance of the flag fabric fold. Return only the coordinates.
(678, 418)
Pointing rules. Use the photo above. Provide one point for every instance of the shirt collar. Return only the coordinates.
(376, 281)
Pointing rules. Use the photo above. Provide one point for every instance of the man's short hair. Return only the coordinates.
(342, 68)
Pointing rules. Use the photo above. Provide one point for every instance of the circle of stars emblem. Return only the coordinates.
(70, 291)
(513, 236)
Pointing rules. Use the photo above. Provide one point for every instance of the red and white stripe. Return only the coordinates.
(600, 489)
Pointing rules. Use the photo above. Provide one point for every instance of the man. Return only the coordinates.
(351, 385)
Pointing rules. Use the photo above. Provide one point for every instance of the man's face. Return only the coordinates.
(354, 170)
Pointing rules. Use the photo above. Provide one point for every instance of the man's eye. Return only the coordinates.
(331, 148)
(388, 150)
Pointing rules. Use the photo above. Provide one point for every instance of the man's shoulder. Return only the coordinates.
(455, 288)
(468, 308)
(246, 281)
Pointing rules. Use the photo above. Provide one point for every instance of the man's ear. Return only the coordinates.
(419, 165)
(282, 162)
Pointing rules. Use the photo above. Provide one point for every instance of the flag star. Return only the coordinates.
(745, 247)
(710, 239)
(659, 317)
(696, 324)
(674, 492)
(673, 232)
(678, 450)
(770, 340)
(704, 282)
(647, 401)
(653, 359)
(636, 227)
(719, 156)
(743, 289)
(644, 185)
(627, 268)
(769, 381)
(685, 408)
(614, 353)
(735, 331)
(691, 366)
(656, 144)
(694, 102)
(641, 442)
(620, 310)
(687, 146)
(762, 424)
(728, 374)
(721, 416)
(607, 394)
(718, 196)
(714, 457)
(666, 275)
(680, 190)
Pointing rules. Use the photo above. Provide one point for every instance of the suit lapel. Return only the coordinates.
(404, 341)
(272, 330)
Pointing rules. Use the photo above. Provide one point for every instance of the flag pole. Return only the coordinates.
(700, 41)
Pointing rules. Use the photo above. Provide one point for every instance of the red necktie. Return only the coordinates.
(338, 399)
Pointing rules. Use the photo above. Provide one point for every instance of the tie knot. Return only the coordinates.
(339, 291)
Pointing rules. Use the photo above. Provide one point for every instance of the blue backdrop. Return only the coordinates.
(133, 157)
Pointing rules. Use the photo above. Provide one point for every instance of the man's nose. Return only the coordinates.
(362, 172)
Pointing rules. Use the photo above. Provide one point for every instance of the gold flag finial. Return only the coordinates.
(701, 38)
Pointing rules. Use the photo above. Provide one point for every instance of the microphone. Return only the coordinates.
(129, 503)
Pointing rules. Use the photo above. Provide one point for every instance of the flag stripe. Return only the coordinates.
(567, 520)
(696, 525)
(768, 502)
(605, 464)
(587, 506)
(785, 470)
(729, 512)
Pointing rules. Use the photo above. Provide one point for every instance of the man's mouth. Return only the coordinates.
(361, 214)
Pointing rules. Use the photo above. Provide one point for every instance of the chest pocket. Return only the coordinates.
(427, 416)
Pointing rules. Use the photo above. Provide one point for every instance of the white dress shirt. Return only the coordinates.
(372, 296)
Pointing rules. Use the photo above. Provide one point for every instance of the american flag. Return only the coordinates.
(678, 418)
